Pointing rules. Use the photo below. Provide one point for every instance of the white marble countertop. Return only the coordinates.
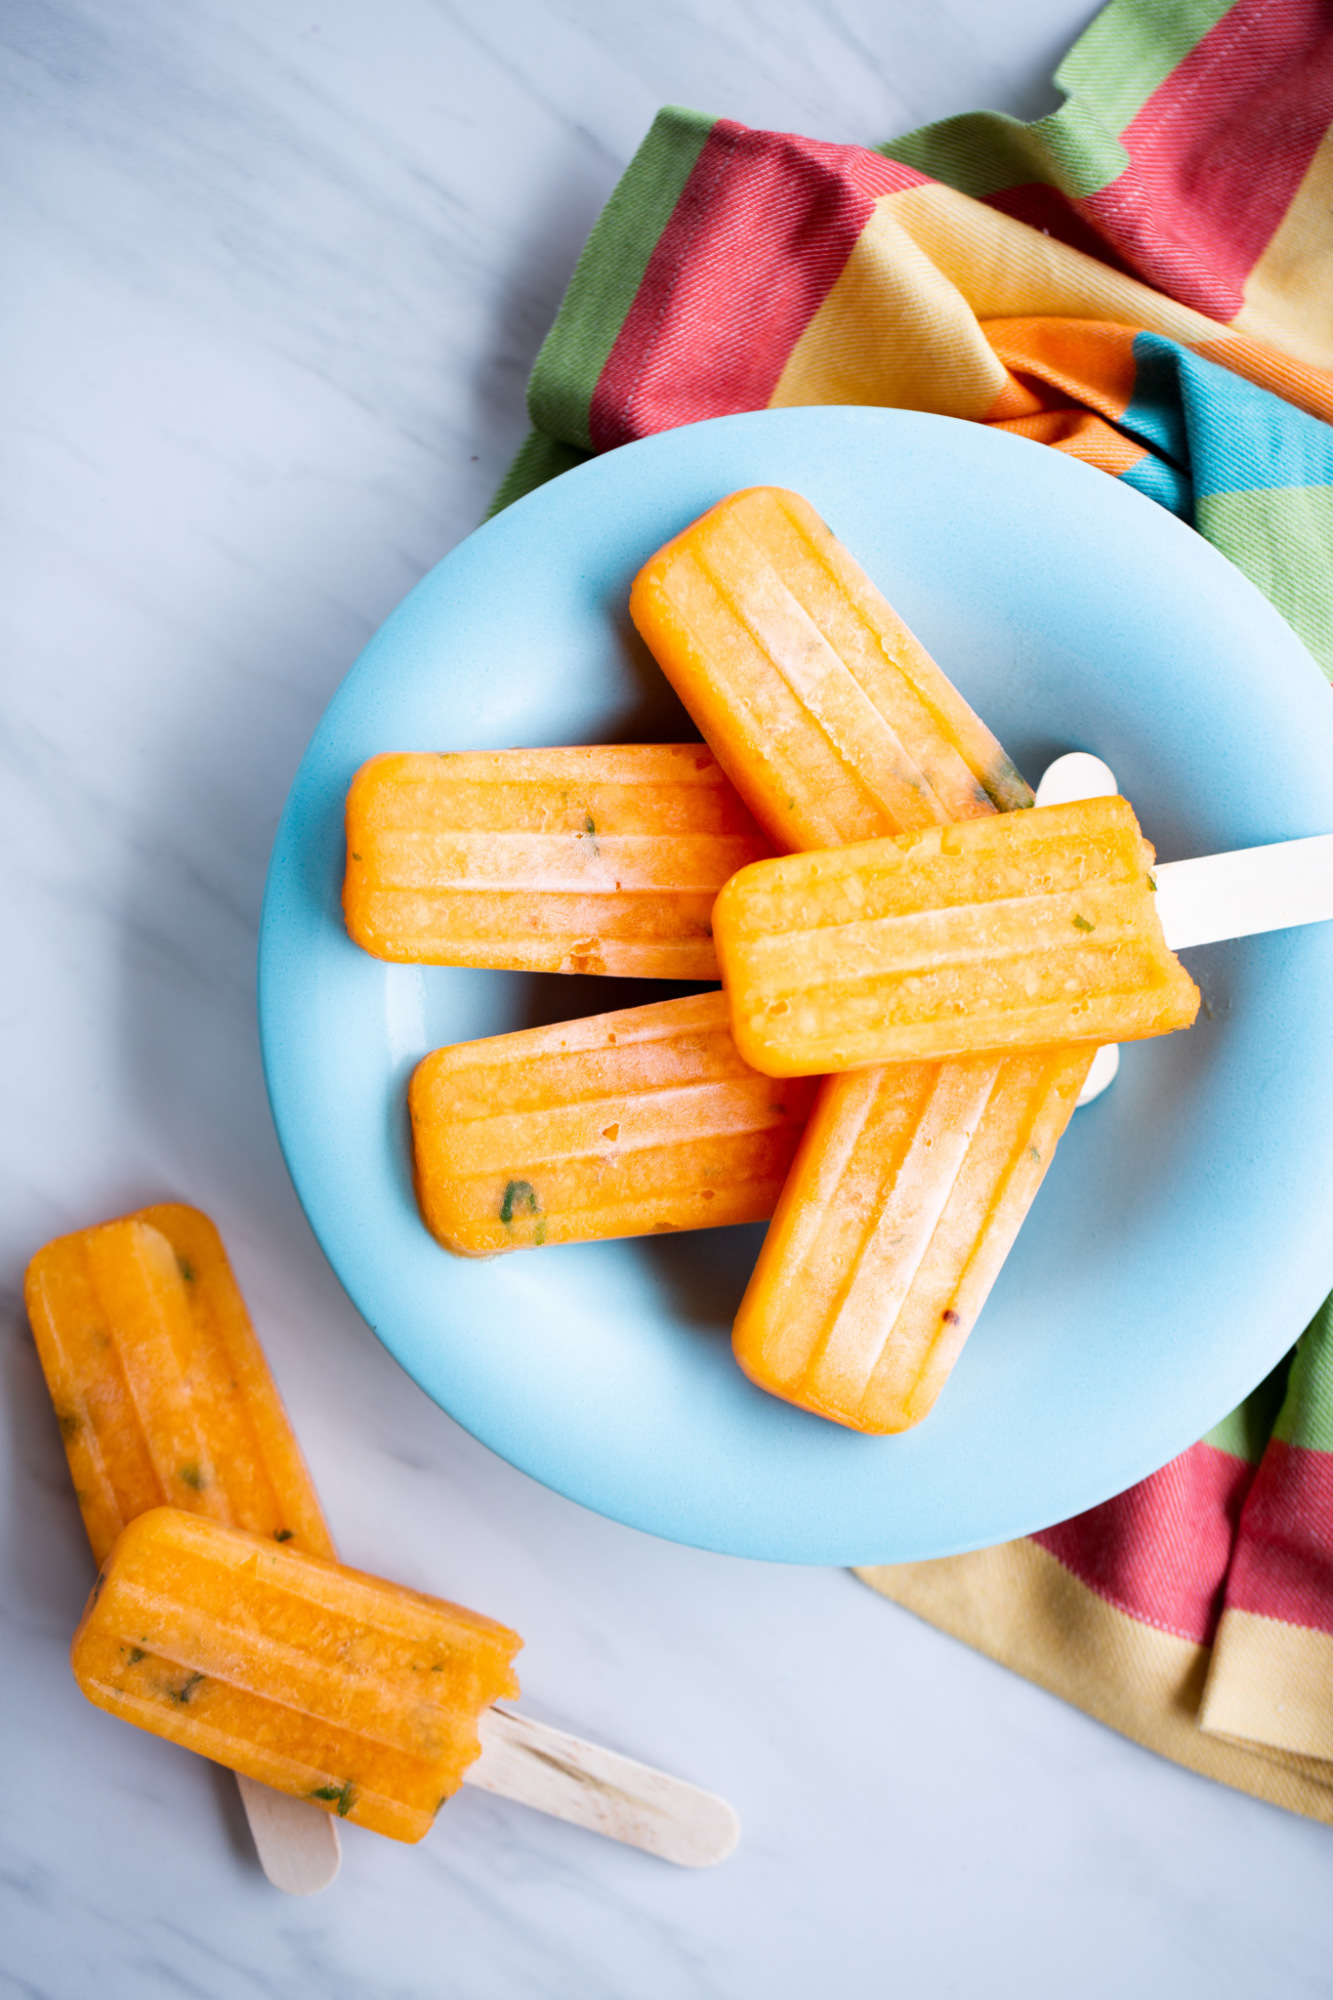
(275, 271)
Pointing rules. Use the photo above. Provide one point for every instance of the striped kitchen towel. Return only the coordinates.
(1143, 279)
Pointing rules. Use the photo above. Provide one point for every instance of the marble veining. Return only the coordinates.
(275, 271)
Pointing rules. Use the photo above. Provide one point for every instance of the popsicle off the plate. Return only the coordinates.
(223, 1620)
(163, 1395)
(160, 1385)
(365, 1699)
(603, 860)
(337, 1687)
(908, 1187)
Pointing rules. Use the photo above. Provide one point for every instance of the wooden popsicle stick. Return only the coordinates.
(297, 1842)
(1239, 895)
(596, 1788)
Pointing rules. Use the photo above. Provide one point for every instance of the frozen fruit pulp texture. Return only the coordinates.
(904, 1200)
(599, 860)
(623, 1124)
(1007, 933)
(337, 1687)
(836, 726)
(159, 1383)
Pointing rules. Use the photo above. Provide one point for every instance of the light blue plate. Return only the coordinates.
(1182, 1238)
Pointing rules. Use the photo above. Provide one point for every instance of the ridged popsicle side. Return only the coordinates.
(603, 860)
(630, 1123)
(827, 714)
(1014, 932)
(835, 726)
(901, 1206)
(337, 1687)
(160, 1385)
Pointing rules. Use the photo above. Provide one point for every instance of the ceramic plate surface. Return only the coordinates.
(1180, 1242)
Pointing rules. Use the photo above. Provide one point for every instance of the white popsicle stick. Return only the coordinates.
(1080, 775)
(297, 1843)
(1239, 895)
(595, 1788)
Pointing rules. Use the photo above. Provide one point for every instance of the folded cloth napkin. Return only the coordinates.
(1143, 279)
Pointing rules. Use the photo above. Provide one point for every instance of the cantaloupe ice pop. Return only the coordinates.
(160, 1385)
(836, 726)
(625, 1124)
(830, 718)
(1010, 933)
(163, 1393)
(602, 860)
(358, 1695)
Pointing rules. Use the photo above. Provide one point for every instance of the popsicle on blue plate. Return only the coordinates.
(827, 714)
(624, 1124)
(835, 726)
(1010, 933)
(580, 860)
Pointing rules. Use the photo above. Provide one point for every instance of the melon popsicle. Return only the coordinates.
(835, 726)
(1020, 932)
(162, 1393)
(830, 718)
(358, 1695)
(576, 860)
(903, 1202)
(356, 1698)
(160, 1385)
(623, 1124)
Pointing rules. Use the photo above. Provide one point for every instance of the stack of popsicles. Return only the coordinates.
(946, 963)
(222, 1618)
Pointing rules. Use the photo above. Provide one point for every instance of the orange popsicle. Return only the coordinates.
(1008, 933)
(583, 860)
(621, 1125)
(835, 726)
(160, 1385)
(359, 1695)
(903, 1202)
(829, 717)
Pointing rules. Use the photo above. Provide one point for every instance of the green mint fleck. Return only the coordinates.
(70, 1424)
(187, 1687)
(1034, 1154)
(1082, 924)
(136, 1653)
(539, 1233)
(589, 824)
(282, 1534)
(355, 855)
(186, 1268)
(343, 1797)
(438, 1667)
(1151, 880)
(518, 1194)
(192, 1476)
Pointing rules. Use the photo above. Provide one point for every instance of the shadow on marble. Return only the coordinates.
(46, 1560)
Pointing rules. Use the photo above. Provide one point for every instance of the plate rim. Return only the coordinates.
(848, 1548)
